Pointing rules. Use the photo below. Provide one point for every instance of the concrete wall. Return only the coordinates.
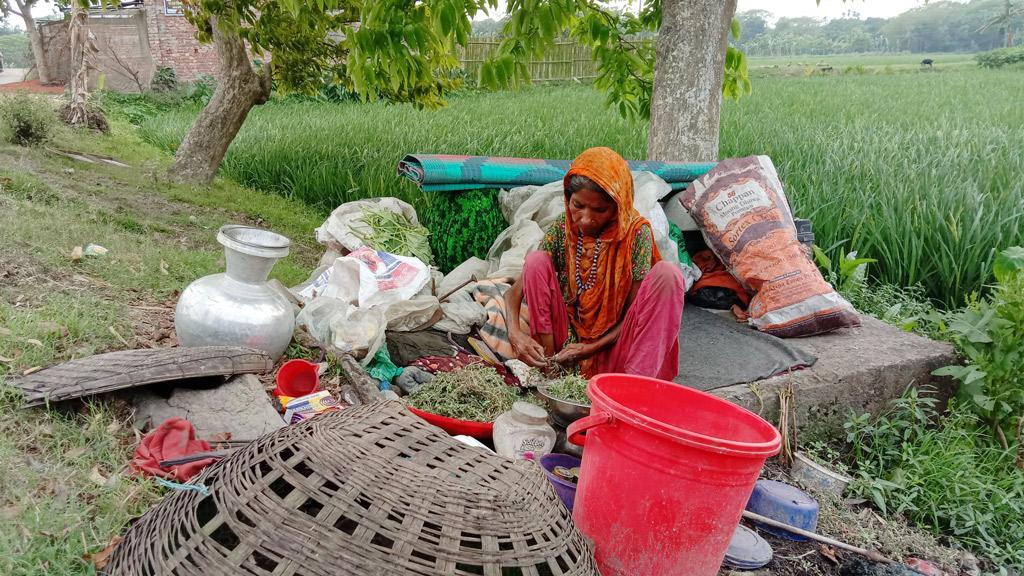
(133, 41)
(124, 50)
(57, 49)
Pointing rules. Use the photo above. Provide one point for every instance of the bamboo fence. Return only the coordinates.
(567, 61)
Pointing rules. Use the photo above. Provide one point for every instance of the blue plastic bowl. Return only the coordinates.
(784, 503)
(566, 490)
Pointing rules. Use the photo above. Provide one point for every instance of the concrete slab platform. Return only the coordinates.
(860, 368)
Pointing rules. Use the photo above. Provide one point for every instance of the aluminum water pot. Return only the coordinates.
(238, 307)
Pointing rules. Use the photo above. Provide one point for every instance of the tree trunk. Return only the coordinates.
(35, 40)
(239, 88)
(688, 72)
(78, 114)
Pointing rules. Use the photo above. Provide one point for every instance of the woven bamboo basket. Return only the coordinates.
(371, 490)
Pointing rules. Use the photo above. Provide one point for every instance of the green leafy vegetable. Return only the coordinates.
(572, 388)
(474, 393)
(393, 232)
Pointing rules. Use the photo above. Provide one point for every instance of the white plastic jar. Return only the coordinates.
(523, 429)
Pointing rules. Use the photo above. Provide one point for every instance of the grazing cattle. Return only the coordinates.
(927, 62)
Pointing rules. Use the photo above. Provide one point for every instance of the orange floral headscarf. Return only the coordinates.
(596, 311)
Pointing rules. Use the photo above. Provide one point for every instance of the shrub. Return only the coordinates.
(201, 89)
(26, 120)
(1000, 57)
(165, 79)
(463, 225)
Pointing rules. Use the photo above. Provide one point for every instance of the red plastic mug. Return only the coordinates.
(297, 378)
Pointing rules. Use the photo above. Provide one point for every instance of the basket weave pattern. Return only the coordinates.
(371, 490)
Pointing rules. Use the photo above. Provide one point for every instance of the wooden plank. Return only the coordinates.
(131, 368)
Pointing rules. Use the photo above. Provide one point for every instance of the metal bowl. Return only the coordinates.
(563, 411)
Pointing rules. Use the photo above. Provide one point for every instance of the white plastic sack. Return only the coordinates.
(313, 287)
(368, 278)
(647, 189)
(677, 213)
(542, 204)
(474, 267)
(461, 317)
(336, 231)
(508, 253)
(409, 314)
(356, 331)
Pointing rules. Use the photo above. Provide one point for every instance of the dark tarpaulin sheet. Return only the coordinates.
(716, 351)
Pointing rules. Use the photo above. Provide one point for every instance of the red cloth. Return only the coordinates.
(648, 343)
(435, 364)
(713, 273)
(175, 438)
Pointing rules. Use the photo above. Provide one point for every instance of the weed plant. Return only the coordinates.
(944, 473)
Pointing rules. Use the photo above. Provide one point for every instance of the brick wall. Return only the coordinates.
(132, 41)
(173, 43)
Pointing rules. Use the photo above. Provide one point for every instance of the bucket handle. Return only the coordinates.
(575, 431)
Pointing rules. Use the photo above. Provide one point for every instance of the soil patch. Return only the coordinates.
(32, 86)
(153, 322)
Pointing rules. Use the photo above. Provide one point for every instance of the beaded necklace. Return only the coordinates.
(592, 275)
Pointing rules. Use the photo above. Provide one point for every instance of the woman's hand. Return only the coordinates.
(528, 349)
(573, 354)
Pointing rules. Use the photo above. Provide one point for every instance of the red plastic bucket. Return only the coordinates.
(666, 473)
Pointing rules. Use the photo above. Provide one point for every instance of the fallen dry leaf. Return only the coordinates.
(219, 437)
(96, 477)
(102, 558)
(829, 553)
(33, 342)
(76, 254)
(75, 453)
(113, 427)
(6, 360)
(163, 268)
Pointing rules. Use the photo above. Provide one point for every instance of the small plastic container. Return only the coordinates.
(818, 477)
(523, 429)
(784, 503)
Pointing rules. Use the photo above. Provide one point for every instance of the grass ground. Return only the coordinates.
(918, 170)
(875, 63)
(64, 487)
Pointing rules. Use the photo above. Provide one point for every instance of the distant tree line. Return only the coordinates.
(933, 27)
(14, 46)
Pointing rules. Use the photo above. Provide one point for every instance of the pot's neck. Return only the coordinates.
(247, 268)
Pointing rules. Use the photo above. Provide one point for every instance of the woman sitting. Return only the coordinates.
(598, 294)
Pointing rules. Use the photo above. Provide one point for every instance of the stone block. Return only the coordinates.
(240, 407)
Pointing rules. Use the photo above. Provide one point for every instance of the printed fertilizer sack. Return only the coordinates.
(745, 218)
